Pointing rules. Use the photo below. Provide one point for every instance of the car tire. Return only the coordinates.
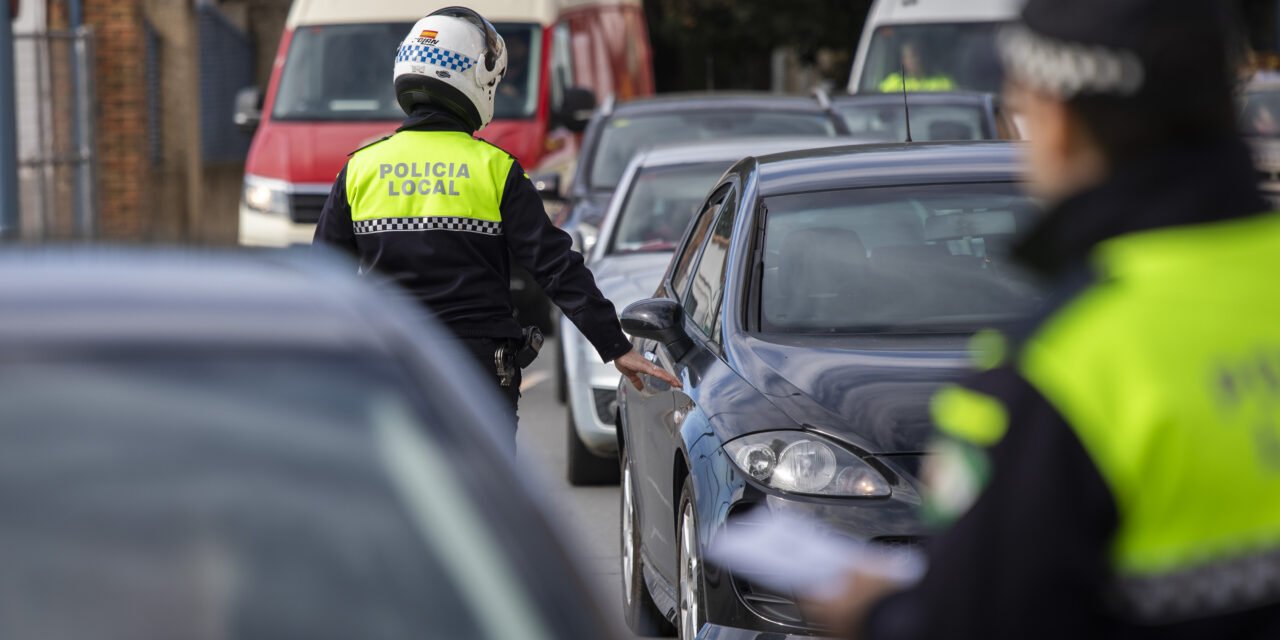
(690, 614)
(641, 614)
(586, 469)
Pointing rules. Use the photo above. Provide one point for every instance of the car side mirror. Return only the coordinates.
(576, 106)
(659, 319)
(548, 186)
(248, 114)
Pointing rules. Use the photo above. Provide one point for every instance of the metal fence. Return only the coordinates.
(57, 160)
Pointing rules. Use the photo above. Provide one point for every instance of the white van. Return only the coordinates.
(952, 40)
(331, 92)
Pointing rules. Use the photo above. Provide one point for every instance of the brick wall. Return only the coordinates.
(177, 199)
(121, 122)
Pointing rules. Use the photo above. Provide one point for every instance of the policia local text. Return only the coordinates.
(428, 178)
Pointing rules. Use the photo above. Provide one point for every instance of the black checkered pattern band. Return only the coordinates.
(433, 223)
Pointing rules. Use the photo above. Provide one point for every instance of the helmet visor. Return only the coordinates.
(492, 41)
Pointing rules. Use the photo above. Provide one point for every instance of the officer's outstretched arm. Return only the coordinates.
(547, 253)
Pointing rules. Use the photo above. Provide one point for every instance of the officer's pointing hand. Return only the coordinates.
(633, 364)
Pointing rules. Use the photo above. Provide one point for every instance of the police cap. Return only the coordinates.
(1150, 50)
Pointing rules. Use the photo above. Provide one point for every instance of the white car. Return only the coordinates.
(645, 220)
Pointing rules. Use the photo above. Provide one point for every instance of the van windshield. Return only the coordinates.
(344, 72)
(933, 57)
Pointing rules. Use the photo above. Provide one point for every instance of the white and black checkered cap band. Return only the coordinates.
(1068, 69)
(432, 223)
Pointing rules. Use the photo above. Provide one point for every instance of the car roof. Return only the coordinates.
(106, 296)
(710, 101)
(733, 149)
(887, 165)
(975, 98)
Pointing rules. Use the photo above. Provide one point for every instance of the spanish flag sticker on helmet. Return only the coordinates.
(429, 34)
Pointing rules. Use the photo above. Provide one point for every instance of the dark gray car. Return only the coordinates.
(215, 446)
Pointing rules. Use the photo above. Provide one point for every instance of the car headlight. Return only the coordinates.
(806, 463)
(266, 196)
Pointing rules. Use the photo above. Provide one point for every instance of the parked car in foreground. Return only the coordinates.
(218, 446)
(652, 206)
(948, 116)
(619, 129)
(817, 301)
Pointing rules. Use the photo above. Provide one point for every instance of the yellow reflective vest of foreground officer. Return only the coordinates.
(1116, 471)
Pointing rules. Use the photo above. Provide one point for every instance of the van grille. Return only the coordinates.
(306, 207)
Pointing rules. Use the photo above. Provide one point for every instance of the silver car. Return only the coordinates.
(645, 220)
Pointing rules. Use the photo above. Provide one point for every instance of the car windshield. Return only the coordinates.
(1260, 116)
(660, 204)
(928, 122)
(344, 72)
(261, 496)
(933, 57)
(894, 260)
(623, 136)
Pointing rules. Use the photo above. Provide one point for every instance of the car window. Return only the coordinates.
(706, 290)
(288, 496)
(693, 243)
(622, 136)
(913, 259)
(660, 204)
(928, 122)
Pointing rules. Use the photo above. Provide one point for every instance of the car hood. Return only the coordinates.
(626, 278)
(310, 152)
(520, 138)
(871, 391)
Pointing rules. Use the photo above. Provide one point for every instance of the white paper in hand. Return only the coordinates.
(789, 553)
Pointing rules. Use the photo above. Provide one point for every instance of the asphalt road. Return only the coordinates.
(590, 512)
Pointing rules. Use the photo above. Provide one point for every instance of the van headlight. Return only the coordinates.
(266, 196)
(806, 463)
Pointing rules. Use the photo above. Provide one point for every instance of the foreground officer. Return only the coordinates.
(1118, 476)
(442, 213)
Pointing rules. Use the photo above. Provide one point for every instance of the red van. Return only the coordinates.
(331, 92)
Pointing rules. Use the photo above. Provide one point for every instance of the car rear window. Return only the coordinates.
(886, 260)
(929, 122)
(622, 136)
(179, 496)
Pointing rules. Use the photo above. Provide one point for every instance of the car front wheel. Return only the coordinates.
(690, 614)
(641, 613)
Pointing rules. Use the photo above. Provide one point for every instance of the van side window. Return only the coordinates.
(562, 76)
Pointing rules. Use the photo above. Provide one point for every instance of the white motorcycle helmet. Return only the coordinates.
(453, 59)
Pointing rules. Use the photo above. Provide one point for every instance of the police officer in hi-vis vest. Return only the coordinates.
(1114, 470)
(442, 213)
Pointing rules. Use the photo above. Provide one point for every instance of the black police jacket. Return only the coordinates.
(464, 278)
(1029, 557)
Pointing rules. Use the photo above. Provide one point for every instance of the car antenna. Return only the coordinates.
(902, 75)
